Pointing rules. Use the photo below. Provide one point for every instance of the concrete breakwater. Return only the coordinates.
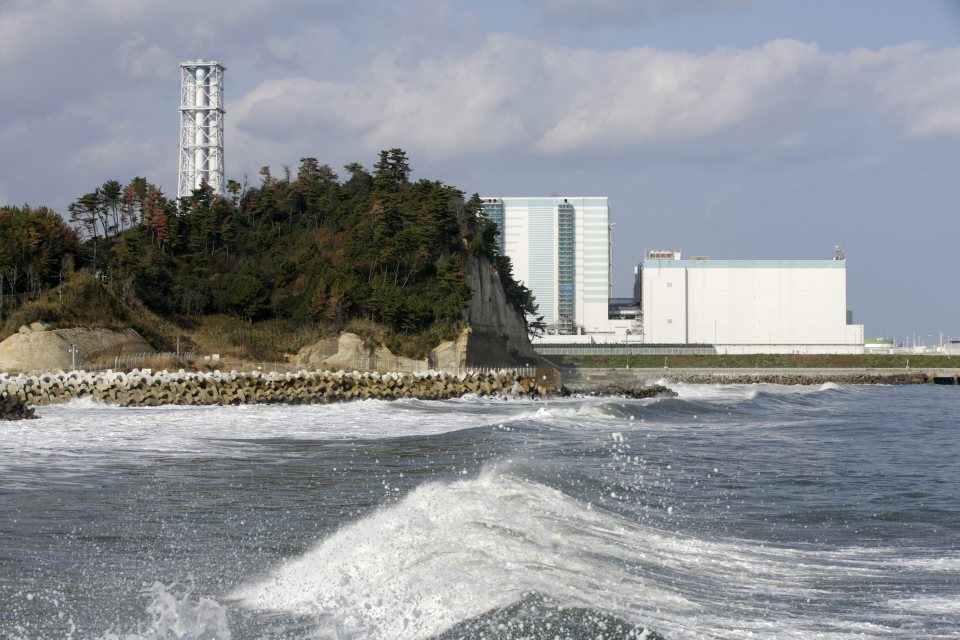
(14, 408)
(140, 388)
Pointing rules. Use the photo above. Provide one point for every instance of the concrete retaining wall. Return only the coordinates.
(146, 388)
(588, 379)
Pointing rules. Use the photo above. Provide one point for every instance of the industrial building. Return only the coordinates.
(748, 306)
(560, 249)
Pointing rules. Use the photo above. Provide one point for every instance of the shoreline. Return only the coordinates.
(21, 393)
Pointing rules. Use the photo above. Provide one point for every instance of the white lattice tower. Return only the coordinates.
(201, 126)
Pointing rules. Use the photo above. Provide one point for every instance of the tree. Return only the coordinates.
(111, 196)
(307, 246)
(86, 212)
(35, 245)
(131, 202)
(155, 217)
(392, 170)
(234, 189)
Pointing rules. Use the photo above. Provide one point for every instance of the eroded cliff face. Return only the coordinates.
(497, 332)
(496, 336)
(38, 348)
(349, 351)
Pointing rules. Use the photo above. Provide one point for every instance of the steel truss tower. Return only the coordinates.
(201, 126)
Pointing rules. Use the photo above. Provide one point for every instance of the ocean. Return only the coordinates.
(736, 511)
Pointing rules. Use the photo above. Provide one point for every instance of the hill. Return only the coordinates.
(263, 271)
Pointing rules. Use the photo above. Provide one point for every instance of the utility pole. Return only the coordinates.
(73, 356)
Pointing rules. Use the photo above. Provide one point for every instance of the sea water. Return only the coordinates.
(754, 511)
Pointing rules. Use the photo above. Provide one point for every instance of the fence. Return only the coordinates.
(137, 360)
(382, 365)
(407, 365)
(621, 350)
(620, 373)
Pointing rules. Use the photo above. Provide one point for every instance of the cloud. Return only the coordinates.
(919, 84)
(451, 107)
(619, 12)
(142, 59)
(93, 83)
(514, 96)
(343, 81)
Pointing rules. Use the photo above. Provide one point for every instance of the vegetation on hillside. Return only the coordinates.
(302, 252)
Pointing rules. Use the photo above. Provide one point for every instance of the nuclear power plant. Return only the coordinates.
(201, 126)
(560, 248)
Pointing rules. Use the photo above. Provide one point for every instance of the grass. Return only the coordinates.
(408, 345)
(269, 340)
(759, 361)
(83, 301)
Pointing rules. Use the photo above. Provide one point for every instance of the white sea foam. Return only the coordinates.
(726, 393)
(942, 605)
(172, 611)
(942, 563)
(84, 426)
(450, 552)
(86, 433)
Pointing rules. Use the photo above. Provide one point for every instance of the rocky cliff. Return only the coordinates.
(349, 352)
(39, 348)
(495, 336)
(497, 332)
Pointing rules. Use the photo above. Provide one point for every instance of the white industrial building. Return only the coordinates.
(748, 306)
(560, 249)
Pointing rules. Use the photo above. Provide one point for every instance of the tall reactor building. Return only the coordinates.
(560, 249)
(201, 126)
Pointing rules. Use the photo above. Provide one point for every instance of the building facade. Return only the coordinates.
(560, 249)
(748, 306)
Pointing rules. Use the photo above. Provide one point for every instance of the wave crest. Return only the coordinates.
(451, 552)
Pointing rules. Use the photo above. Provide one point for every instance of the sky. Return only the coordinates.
(735, 129)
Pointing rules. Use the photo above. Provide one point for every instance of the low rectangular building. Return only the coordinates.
(748, 306)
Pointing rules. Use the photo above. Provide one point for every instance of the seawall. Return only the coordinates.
(146, 388)
(595, 379)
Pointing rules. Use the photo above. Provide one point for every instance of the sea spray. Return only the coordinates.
(173, 611)
(723, 513)
(452, 551)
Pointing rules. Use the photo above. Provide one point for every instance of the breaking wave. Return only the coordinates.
(474, 549)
